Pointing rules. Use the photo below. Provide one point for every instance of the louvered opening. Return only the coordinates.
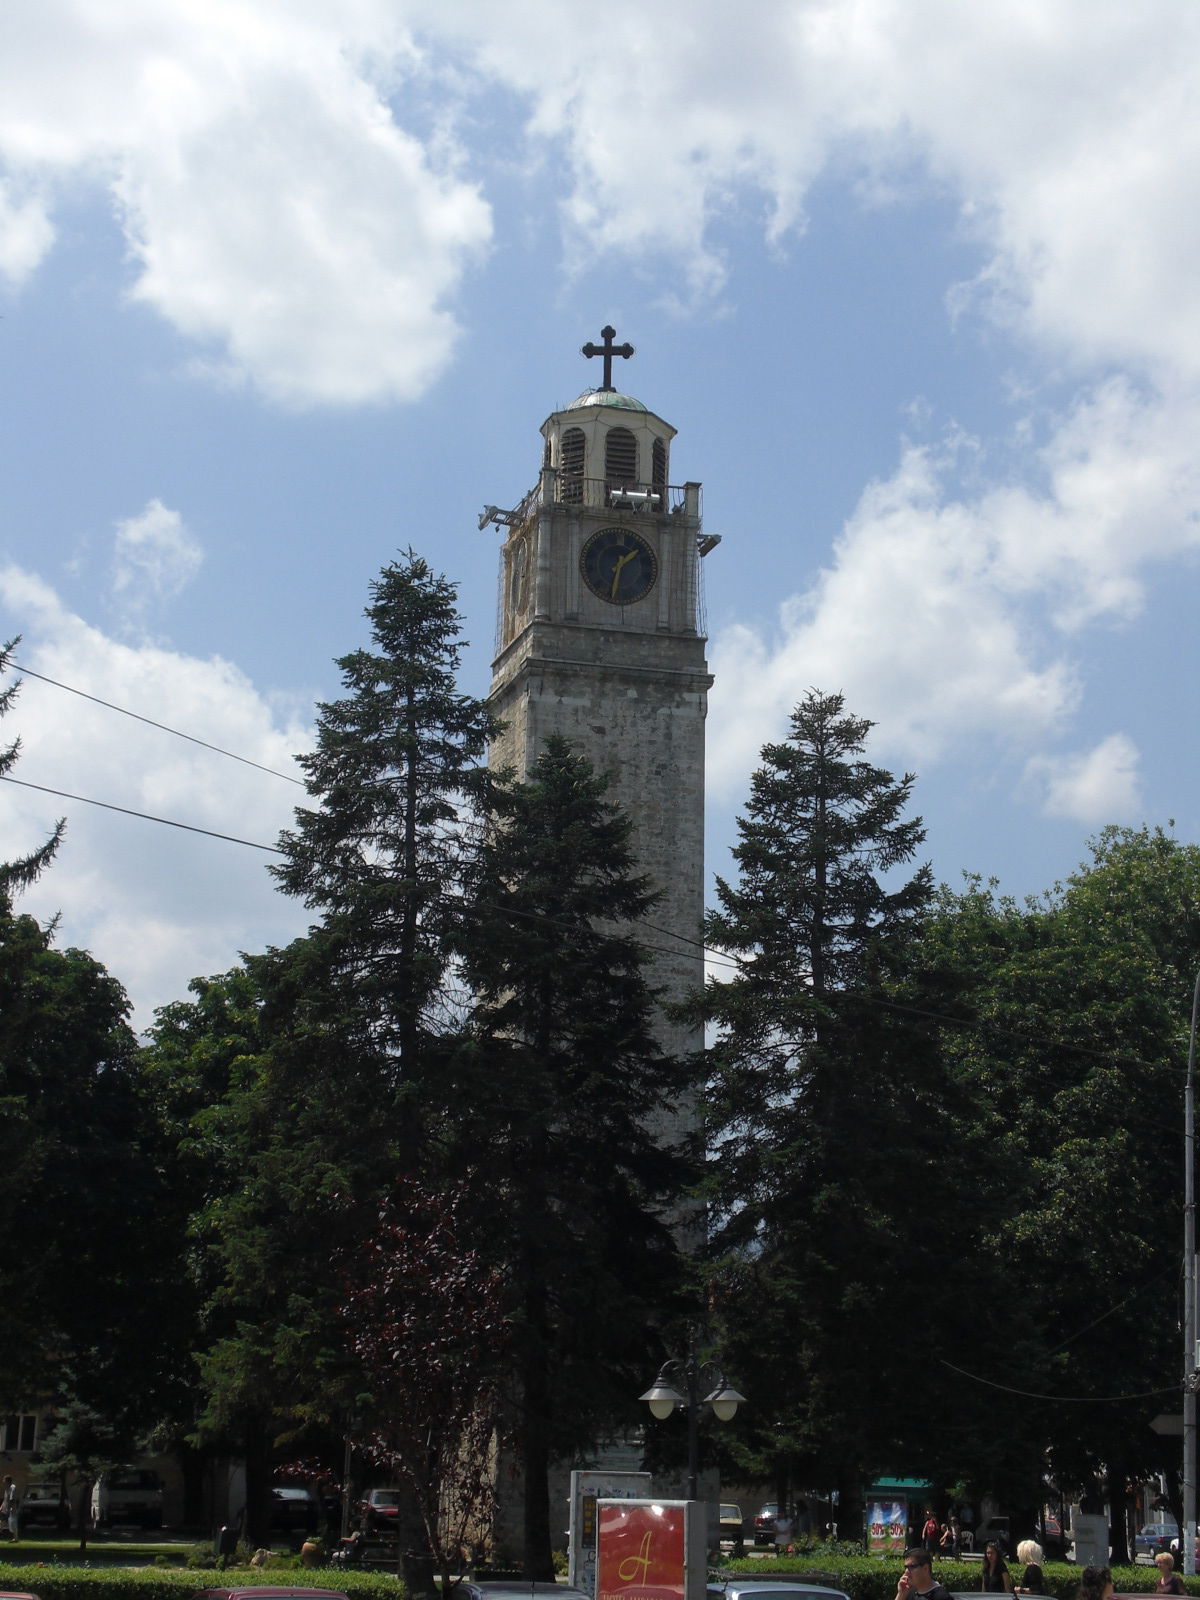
(570, 472)
(620, 459)
(658, 469)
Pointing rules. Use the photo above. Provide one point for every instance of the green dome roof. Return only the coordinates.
(607, 397)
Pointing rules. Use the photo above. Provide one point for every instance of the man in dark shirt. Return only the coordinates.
(916, 1581)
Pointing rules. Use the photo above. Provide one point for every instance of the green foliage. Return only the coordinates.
(1074, 1064)
(19, 874)
(827, 1113)
(157, 1583)
(565, 1081)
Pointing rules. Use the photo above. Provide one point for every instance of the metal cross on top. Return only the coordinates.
(608, 350)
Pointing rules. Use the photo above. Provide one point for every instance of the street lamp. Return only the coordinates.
(678, 1388)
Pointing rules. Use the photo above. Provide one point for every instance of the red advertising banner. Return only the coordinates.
(642, 1551)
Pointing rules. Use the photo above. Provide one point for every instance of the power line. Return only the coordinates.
(145, 816)
(150, 722)
(1061, 1399)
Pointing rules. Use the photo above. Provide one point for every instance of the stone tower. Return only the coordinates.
(600, 640)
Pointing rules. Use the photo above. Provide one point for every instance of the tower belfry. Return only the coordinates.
(600, 640)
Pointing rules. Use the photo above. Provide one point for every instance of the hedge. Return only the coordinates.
(874, 1578)
(170, 1583)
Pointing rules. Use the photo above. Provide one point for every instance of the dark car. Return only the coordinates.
(294, 1508)
(43, 1505)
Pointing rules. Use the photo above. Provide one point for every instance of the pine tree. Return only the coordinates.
(568, 1082)
(823, 1104)
(19, 874)
(397, 762)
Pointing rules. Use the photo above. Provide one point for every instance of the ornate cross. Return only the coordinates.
(608, 350)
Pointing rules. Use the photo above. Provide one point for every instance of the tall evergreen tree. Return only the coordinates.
(19, 874)
(559, 1126)
(397, 760)
(828, 1120)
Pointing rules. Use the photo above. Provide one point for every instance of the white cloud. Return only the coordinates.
(154, 557)
(946, 619)
(158, 905)
(276, 211)
(1099, 785)
(292, 177)
(26, 233)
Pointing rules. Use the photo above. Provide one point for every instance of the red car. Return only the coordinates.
(380, 1511)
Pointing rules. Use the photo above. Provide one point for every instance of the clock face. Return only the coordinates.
(619, 566)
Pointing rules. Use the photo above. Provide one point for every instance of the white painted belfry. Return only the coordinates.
(605, 648)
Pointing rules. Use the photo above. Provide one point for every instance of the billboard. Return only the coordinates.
(650, 1550)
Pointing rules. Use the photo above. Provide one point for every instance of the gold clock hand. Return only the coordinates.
(621, 562)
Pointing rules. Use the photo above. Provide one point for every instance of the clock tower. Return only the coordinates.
(600, 640)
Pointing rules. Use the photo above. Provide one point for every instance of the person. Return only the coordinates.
(951, 1539)
(995, 1571)
(1169, 1581)
(1032, 1579)
(783, 1531)
(916, 1580)
(1095, 1584)
(9, 1504)
(930, 1533)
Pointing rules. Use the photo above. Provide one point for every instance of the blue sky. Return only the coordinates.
(286, 288)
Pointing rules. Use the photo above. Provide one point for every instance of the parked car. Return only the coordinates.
(271, 1591)
(1155, 1536)
(503, 1589)
(295, 1508)
(764, 1522)
(380, 1511)
(773, 1589)
(731, 1521)
(129, 1495)
(44, 1505)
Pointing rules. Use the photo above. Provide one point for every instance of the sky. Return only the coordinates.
(288, 288)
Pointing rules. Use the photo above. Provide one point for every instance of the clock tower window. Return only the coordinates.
(620, 459)
(571, 454)
(658, 471)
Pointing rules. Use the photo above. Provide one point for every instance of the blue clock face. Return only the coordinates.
(618, 566)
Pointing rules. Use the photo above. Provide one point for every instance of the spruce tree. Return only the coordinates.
(824, 1106)
(398, 760)
(568, 1080)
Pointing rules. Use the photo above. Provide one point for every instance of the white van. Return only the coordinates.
(128, 1495)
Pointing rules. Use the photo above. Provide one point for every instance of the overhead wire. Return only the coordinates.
(712, 957)
(149, 721)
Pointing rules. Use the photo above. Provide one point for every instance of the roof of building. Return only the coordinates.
(607, 397)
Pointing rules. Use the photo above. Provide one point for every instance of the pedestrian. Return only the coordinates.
(951, 1539)
(1032, 1580)
(995, 1572)
(783, 1532)
(1169, 1581)
(9, 1508)
(1095, 1584)
(916, 1581)
(930, 1533)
